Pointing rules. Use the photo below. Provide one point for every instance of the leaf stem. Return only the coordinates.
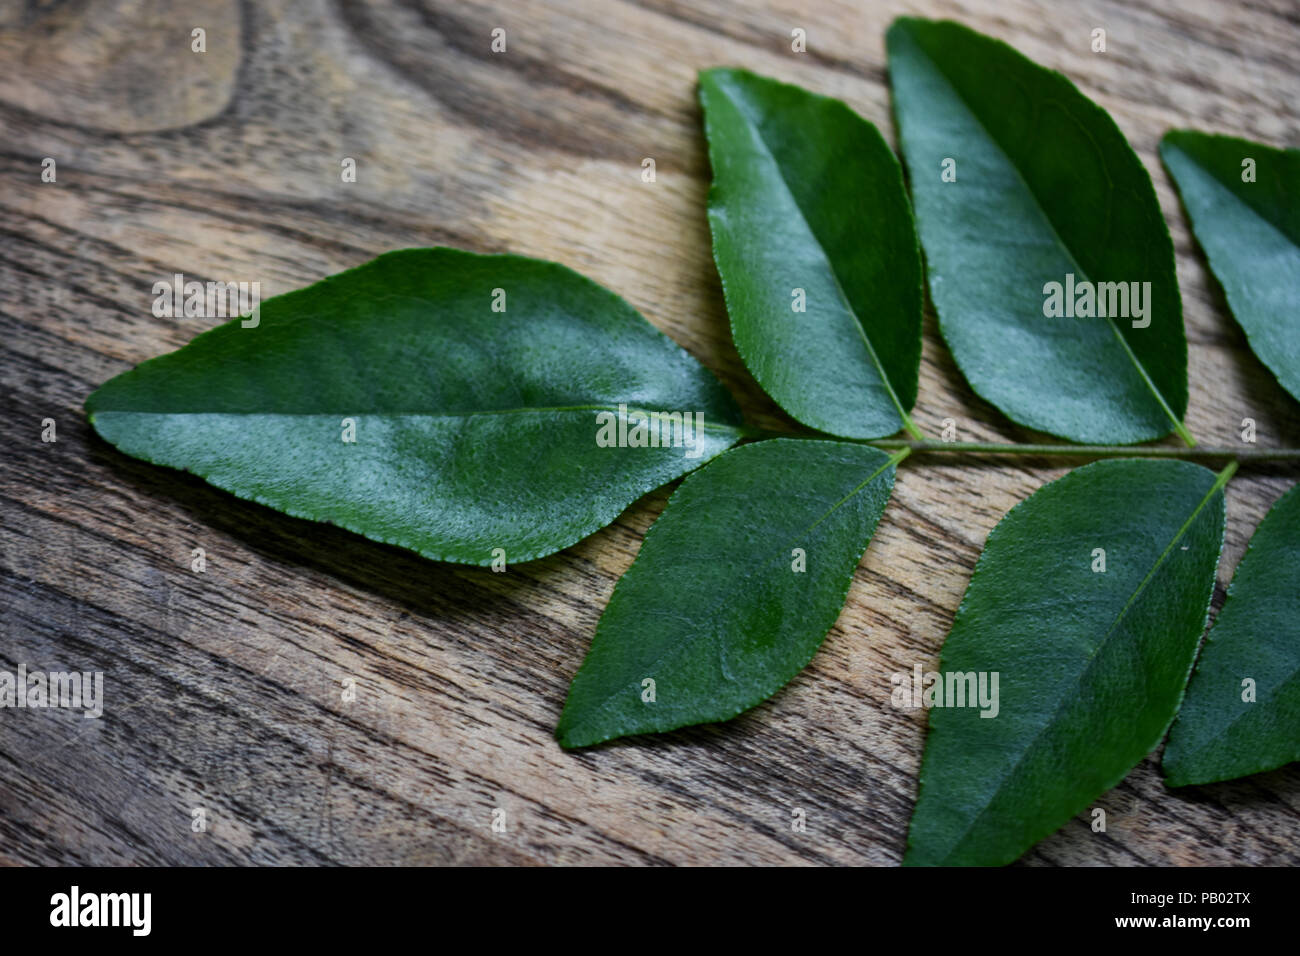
(910, 426)
(898, 456)
(1237, 455)
(1225, 476)
(1184, 434)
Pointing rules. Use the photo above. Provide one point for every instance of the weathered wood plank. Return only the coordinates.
(225, 690)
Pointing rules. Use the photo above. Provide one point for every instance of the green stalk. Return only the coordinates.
(910, 427)
(1243, 454)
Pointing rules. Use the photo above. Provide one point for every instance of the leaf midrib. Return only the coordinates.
(1051, 720)
(742, 107)
(1173, 138)
(524, 410)
(1277, 690)
(1219, 184)
(1056, 236)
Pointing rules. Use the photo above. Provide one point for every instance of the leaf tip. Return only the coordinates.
(569, 736)
(712, 76)
(902, 23)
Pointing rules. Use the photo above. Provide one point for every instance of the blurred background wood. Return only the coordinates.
(225, 689)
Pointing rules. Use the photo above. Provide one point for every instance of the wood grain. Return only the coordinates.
(225, 689)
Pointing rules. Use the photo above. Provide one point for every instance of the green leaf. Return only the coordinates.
(1091, 663)
(475, 429)
(1218, 735)
(715, 611)
(1046, 187)
(808, 209)
(1250, 232)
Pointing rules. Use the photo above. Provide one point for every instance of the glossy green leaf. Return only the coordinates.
(1046, 190)
(1244, 202)
(735, 587)
(814, 241)
(1091, 663)
(1226, 727)
(475, 429)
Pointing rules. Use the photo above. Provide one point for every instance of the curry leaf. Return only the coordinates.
(447, 402)
(814, 241)
(1087, 602)
(735, 587)
(1242, 712)
(1244, 202)
(1020, 182)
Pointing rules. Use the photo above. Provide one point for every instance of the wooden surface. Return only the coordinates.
(225, 689)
